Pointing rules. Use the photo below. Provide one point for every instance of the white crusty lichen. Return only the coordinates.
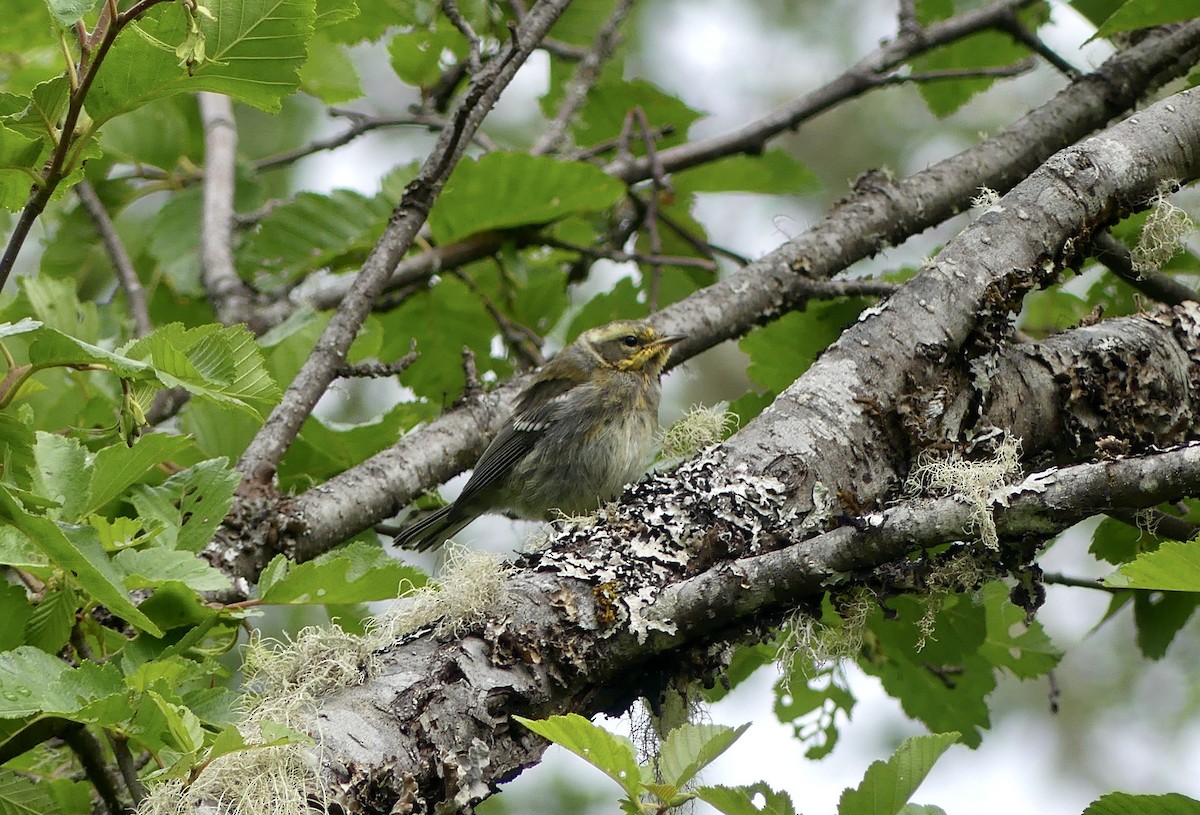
(973, 482)
(1162, 235)
(286, 679)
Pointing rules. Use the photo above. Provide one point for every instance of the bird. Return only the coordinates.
(580, 431)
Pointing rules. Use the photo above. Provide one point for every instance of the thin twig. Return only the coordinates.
(1161, 287)
(858, 79)
(907, 17)
(522, 340)
(1158, 523)
(230, 297)
(378, 370)
(1021, 33)
(587, 74)
(998, 71)
(471, 386)
(1060, 579)
(620, 256)
(450, 9)
(127, 278)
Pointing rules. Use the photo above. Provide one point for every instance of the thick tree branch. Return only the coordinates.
(730, 536)
(262, 456)
(858, 227)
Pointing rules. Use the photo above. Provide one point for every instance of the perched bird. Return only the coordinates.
(580, 431)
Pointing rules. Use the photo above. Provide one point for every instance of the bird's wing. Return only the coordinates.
(537, 407)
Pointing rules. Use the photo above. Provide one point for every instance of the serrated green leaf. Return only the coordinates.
(988, 49)
(690, 748)
(1174, 566)
(157, 565)
(358, 572)
(88, 564)
(33, 682)
(15, 610)
(253, 52)
(190, 504)
(116, 467)
(1123, 803)
(18, 161)
(20, 795)
(69, 12)
(1135, 14)
(774, 172)
(16, 448)
(887, 786)
(329, 74)
(56, 303)
(417, 55)
(939, 679)
(504, 190)
(1116, 542)
(1026, 654)
(49, 625)
(60, 474)
(314, 231)
(740, 800)
(612, 755)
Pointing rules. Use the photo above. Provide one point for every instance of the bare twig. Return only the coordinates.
(998, 71)
(620, 256)
(587, 73)
(1059, 579)
(1163, 288)
(861, 77)
(378, 370)
(1021, 33)
(264, 452)
(1156, 522)
(128, 768)
(90, 752)
(450, 9)
(523, 340)
(127, 276)
(471, 387)
(230, 297)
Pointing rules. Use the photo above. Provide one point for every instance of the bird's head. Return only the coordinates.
(630, 345)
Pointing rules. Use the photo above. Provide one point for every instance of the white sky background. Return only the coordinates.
(725, 60)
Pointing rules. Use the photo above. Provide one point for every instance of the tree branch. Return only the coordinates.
(127, 276)
(231, 298)
(1162, 287)
(262, 456)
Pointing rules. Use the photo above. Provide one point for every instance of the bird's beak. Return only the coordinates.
(669, 341)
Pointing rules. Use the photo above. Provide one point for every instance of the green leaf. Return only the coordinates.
(116, 467)
(18, 161)
(157, 565)
(1135, 14)
(1123, 803)
(740, 800)
(69, 12)
(33, 682)
(16, 448)
(20, 795)
(15, 610)
(938, 678)
(49, 625)
(781, 351)
(887, 786)
(1174, 566)
(253, 50)
(1116, 542)
(505, 190)
(222, 363)
(61, 474)
(329, 74)
(90, 567)
(358, 572)
(690, 748)
(812, 705)
(612, 755)
(1159, 616)
(314, 231)
(1027, 654)
(417, 55)
(774, 172)
(190, 504)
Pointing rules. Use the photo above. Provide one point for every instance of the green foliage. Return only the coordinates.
(1119, 803)
(1174, 566)
(355, 573)
(887, 786)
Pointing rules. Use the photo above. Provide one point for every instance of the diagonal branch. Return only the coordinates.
(231, 298)
(127, 276)
(262, 456)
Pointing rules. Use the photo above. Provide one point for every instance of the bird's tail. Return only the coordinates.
(432, 530)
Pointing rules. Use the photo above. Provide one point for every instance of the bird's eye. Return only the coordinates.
(630, 341)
